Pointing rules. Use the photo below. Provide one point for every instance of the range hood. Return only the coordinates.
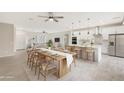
(98, 36)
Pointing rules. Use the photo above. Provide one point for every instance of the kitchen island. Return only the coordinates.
(86, 52)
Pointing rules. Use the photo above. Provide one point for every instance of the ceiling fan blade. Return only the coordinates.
(47, 20)
(58, 17)
(44, 16)
(55, 20)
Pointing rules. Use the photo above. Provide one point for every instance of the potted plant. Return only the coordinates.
(49, 44)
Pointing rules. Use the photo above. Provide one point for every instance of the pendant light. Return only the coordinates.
(88, 33)
(79, 26)
(72, 29)
(88, 19)
(98, 36)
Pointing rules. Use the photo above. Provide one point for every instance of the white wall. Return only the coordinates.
(57, 35)
(20, 40)
(7, 39)
(23, 36)
(112, 30)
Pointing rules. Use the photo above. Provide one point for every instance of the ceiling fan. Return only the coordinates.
(51, 17)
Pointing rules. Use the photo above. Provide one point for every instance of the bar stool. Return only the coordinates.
(35, 60)
(47, 67)
(90, 54)
(78, 51)
(30, 55)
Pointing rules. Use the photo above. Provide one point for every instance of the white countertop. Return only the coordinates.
(93, 46)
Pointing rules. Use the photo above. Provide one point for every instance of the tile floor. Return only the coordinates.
(14, 68)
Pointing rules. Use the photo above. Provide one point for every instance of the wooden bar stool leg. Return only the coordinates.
(35, 69)
(75, 61)
(32, 66)
(39, 74)
(87, 55)
(93, 56)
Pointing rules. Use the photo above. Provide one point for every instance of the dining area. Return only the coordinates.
(44, 61)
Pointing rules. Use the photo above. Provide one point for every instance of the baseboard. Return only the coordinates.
(19, 49)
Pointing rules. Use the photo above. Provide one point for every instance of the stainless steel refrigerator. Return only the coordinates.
(116, 45)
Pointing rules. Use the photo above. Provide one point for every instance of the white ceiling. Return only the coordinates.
(21, 20)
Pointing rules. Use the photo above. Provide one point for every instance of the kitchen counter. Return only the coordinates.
(93, 46)
(83, 54)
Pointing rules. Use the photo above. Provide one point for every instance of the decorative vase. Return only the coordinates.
(49, 48)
